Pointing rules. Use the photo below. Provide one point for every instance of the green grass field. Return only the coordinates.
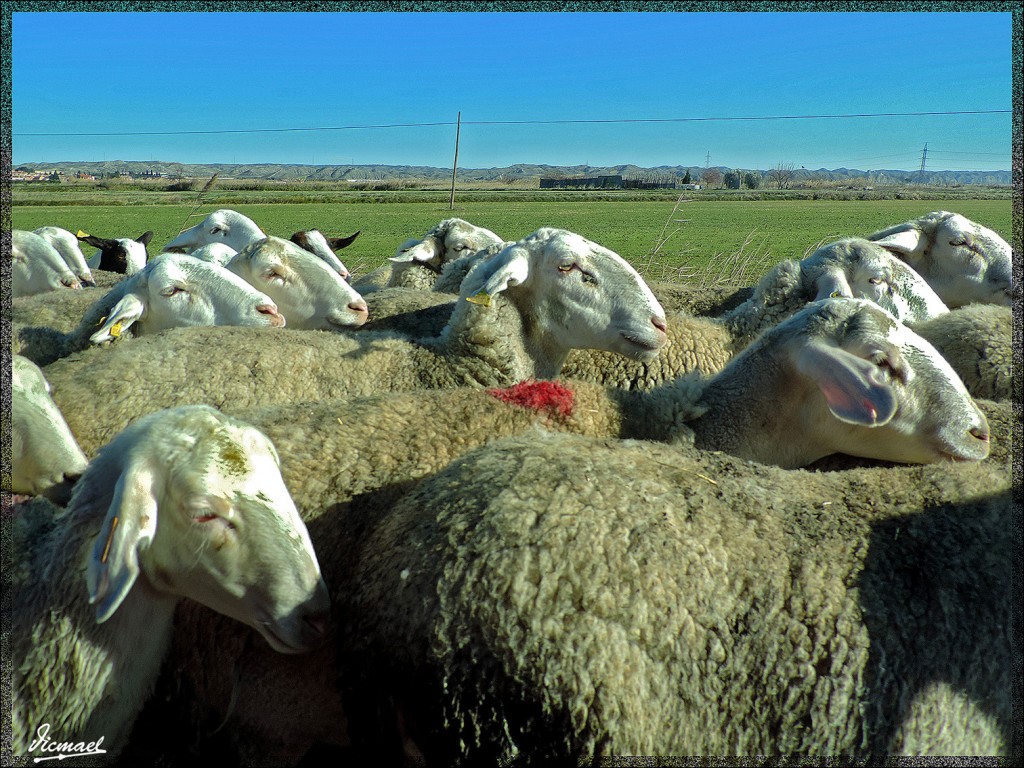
(711, 232)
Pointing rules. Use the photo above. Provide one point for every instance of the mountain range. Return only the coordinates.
(522, 171)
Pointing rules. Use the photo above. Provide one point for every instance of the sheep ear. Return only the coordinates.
(129, 309)
(337, 243)
(903, 243)
(509, 267)
(852, 386)
(144, 238)
(424, 250)
(130, 524)
(832, 283)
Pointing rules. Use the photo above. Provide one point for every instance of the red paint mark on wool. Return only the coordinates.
(538, 395)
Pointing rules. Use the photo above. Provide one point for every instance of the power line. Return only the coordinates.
(967, 154)
(533, 122)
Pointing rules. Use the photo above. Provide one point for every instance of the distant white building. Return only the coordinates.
(690, 186)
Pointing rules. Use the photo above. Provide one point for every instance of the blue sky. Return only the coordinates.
(147, 73)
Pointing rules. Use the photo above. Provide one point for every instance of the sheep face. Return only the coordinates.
(201, 511)
(36, 266)
(66, 244)
(315, 242)
(308, 293)
(858, 268)
(44, 452)
(964, 261)
(176, 291)
(223, 226)
(122, 255)
(451, 239)
(574, 293)
(861, 383)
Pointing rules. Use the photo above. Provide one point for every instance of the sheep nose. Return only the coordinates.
(659, 323)
(361, 309)
(317, 623)
(979, 433)
(276, 319)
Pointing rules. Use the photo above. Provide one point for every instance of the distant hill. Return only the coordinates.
(512, 172)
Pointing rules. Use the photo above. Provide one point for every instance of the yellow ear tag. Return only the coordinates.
(483, 299)
(82, 234)
(115, 329)
(834, 295)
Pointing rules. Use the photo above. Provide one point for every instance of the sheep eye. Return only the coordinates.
(566, 267)
(875, 280)
(172, 290)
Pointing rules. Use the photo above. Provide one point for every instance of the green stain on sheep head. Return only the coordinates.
(231, 457)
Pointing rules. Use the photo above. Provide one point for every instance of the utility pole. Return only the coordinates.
(455, 164)
(924, 158)
(707, 161)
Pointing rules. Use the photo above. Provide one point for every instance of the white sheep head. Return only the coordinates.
(44, 453)
(448, 240)
(572, 294)
(843, 376)
(859, 268)
(176, 291)
(66, 244)
(309, 294)
(37, 267)
(224, 226)
(963, 261)
(197, 505)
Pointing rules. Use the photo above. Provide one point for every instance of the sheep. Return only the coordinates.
(66, 244)
(518, 316)
(419, 261)
(977, 340)
(171, 292)
(309, 294)
(36, 266)
(851, 267)
(224, 226)
(237, 231)
(555, 598)
(122, 254)
(314, 241)
(45, 458)
(964, 261)
(379, 446)
(185, 503)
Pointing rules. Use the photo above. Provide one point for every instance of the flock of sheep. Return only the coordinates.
(493, 502)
